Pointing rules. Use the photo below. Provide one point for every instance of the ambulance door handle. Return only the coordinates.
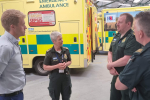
(75, 39)
(113, 34)
(23, 40)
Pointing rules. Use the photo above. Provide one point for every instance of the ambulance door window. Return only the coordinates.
(41, 18)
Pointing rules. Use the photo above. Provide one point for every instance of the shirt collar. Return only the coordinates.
(146, 46)
(130, 31)
(11, 38)
(62, 49)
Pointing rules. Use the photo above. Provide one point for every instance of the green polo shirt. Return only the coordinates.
(137, 74)
(52, 57)
(120, 47)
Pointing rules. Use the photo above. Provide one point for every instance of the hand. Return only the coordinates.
(65, 65)
(134, 90)
(113, 71)
(62, 66)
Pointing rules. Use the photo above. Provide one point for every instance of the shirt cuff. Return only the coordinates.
(125, 82)
(129, 53)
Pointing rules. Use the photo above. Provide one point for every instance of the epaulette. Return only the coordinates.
(133, 35)
(139, 51)
(117, 34)
(65, 47)
(48, 50)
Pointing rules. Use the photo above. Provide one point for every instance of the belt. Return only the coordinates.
(11, 94)
(66, 71)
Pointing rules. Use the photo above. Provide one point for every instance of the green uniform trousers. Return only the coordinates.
(60, 83)
(116, 94)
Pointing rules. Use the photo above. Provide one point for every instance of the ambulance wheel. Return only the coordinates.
(38, 66)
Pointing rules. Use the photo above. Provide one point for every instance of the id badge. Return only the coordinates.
(61, 71)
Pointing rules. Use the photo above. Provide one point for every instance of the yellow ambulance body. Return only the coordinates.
(75, 19)
(109, 19)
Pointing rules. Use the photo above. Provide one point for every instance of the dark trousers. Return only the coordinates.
(60, 84)
(117, 94)
(15, 97)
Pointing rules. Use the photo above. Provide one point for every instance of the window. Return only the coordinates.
(41, 18)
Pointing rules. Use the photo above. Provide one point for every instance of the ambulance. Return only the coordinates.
(108, 28)
(75, 19)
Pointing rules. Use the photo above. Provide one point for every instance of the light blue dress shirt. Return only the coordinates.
(12, 75)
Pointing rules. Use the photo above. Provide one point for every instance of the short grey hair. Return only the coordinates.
(143, 22)
(54, 35)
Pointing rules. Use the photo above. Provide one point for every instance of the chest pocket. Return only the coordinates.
(55, 59)
(122, 43)
(113, 46)
(121, 46)
(120, 49)
(65, 58)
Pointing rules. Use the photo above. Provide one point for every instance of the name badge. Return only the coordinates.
(55, 59)
(61, 71)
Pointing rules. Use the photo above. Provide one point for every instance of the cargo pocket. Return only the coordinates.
(51, 93)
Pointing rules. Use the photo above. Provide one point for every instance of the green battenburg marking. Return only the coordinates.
(71, 47)
(32, 49)
(106, 39)
(111, 33)
(43, 39)
(23, 49)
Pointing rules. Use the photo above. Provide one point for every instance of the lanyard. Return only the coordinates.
(59, 59)
(120, 41)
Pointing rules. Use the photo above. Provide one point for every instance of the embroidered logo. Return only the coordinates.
(124, 40)
(65, 56)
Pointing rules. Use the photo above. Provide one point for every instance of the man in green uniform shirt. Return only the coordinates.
(122, 47)
(137, 72)
(57, 60)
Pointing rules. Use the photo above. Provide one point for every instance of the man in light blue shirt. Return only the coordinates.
(12, 75)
